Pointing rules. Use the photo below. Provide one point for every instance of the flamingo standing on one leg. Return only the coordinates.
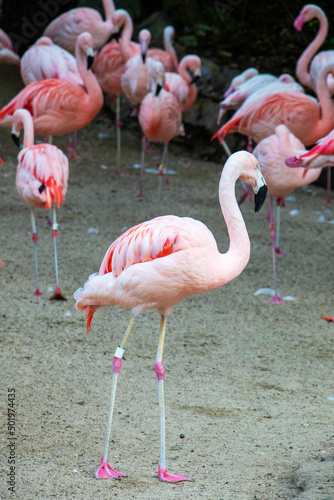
(7, 54)
(41, 181)
(160, 118)
(57, 106)
(308, 118)
(157, 264)
(271, 153)
(65, 29)
(310, 63)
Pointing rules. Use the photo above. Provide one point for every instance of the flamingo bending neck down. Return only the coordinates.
(307, 118)
(65, 29)
(57, 106)
(183, 83)
(157, 264)
(271, 153)
(238, 80)
(310, 63)
(41, 181)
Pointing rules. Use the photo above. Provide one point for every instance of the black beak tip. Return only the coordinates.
(90, 60)
(41, 188)
(143, 58)
(16, 140)
(159, 88)
(260, 197)
(194, 79)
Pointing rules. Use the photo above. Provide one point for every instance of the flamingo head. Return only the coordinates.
(251, 174)
(307, 13)
(144, 41)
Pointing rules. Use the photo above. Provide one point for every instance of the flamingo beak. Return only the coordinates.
(298, 22)
(196, 76)
(90, 57)
(260, 191)
(16, 139)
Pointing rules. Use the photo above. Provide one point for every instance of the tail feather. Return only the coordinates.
(90, 310)
(224, 130)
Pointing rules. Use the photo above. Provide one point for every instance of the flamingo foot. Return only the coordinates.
(57, 295)
(171, 478)
(107, 472)
(279, 252)
(276, 299)
(73, 154)
(37, 292)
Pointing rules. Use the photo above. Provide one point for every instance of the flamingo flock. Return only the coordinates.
(162, 261)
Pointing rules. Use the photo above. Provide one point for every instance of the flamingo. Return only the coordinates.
(310, 63)
(57, 106)
(240, 79)
(44, 59)
(308, 119)
(322, 153)
(7, 54)
(160, 118)
(41, 181)
(281, 180)
(158, 263)
(264, 82)
(65, 29)
(182, 83)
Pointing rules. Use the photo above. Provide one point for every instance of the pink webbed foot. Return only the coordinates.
(279, 252)
(107, 472)
(276, 299)
(57, 295)
(171, 478)
(37, 292)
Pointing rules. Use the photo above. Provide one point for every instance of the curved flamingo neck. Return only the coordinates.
(92, 87)
(182, 69)
(325, 102)
(302, 68)
(237, 256)
(168, 45)
(126, 37)
(28, 128)
(109, 9)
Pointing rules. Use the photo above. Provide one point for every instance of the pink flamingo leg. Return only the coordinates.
(72, 142)
(142, 170)
(57, 295)
(160, 373)
(34, 239)
(118, 131)
(105, 471)
(275, 299)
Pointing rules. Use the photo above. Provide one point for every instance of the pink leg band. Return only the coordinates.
(159, 370)
(54, 233)
(34, 237)
(116, 365)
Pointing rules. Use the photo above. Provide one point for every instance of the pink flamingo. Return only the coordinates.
(308, 119)
(240, 79)
(58, 106)
(266, 83)
(109, 65)
(281, 180)
(160, 118)
(310, 63)
(158, 263)
(7, 54)
(41, 181)
(44, 59)
(182, 83)
(65, 29)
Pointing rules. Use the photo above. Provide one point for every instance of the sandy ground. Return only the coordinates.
(249, 384)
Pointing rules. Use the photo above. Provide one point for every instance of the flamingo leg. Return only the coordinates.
(160, 373)
(34, 239)
(118, 131)
(72, 141)
(275, 299)
(105, 471)
(57, 295)
(162, 170)
(142, 170)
